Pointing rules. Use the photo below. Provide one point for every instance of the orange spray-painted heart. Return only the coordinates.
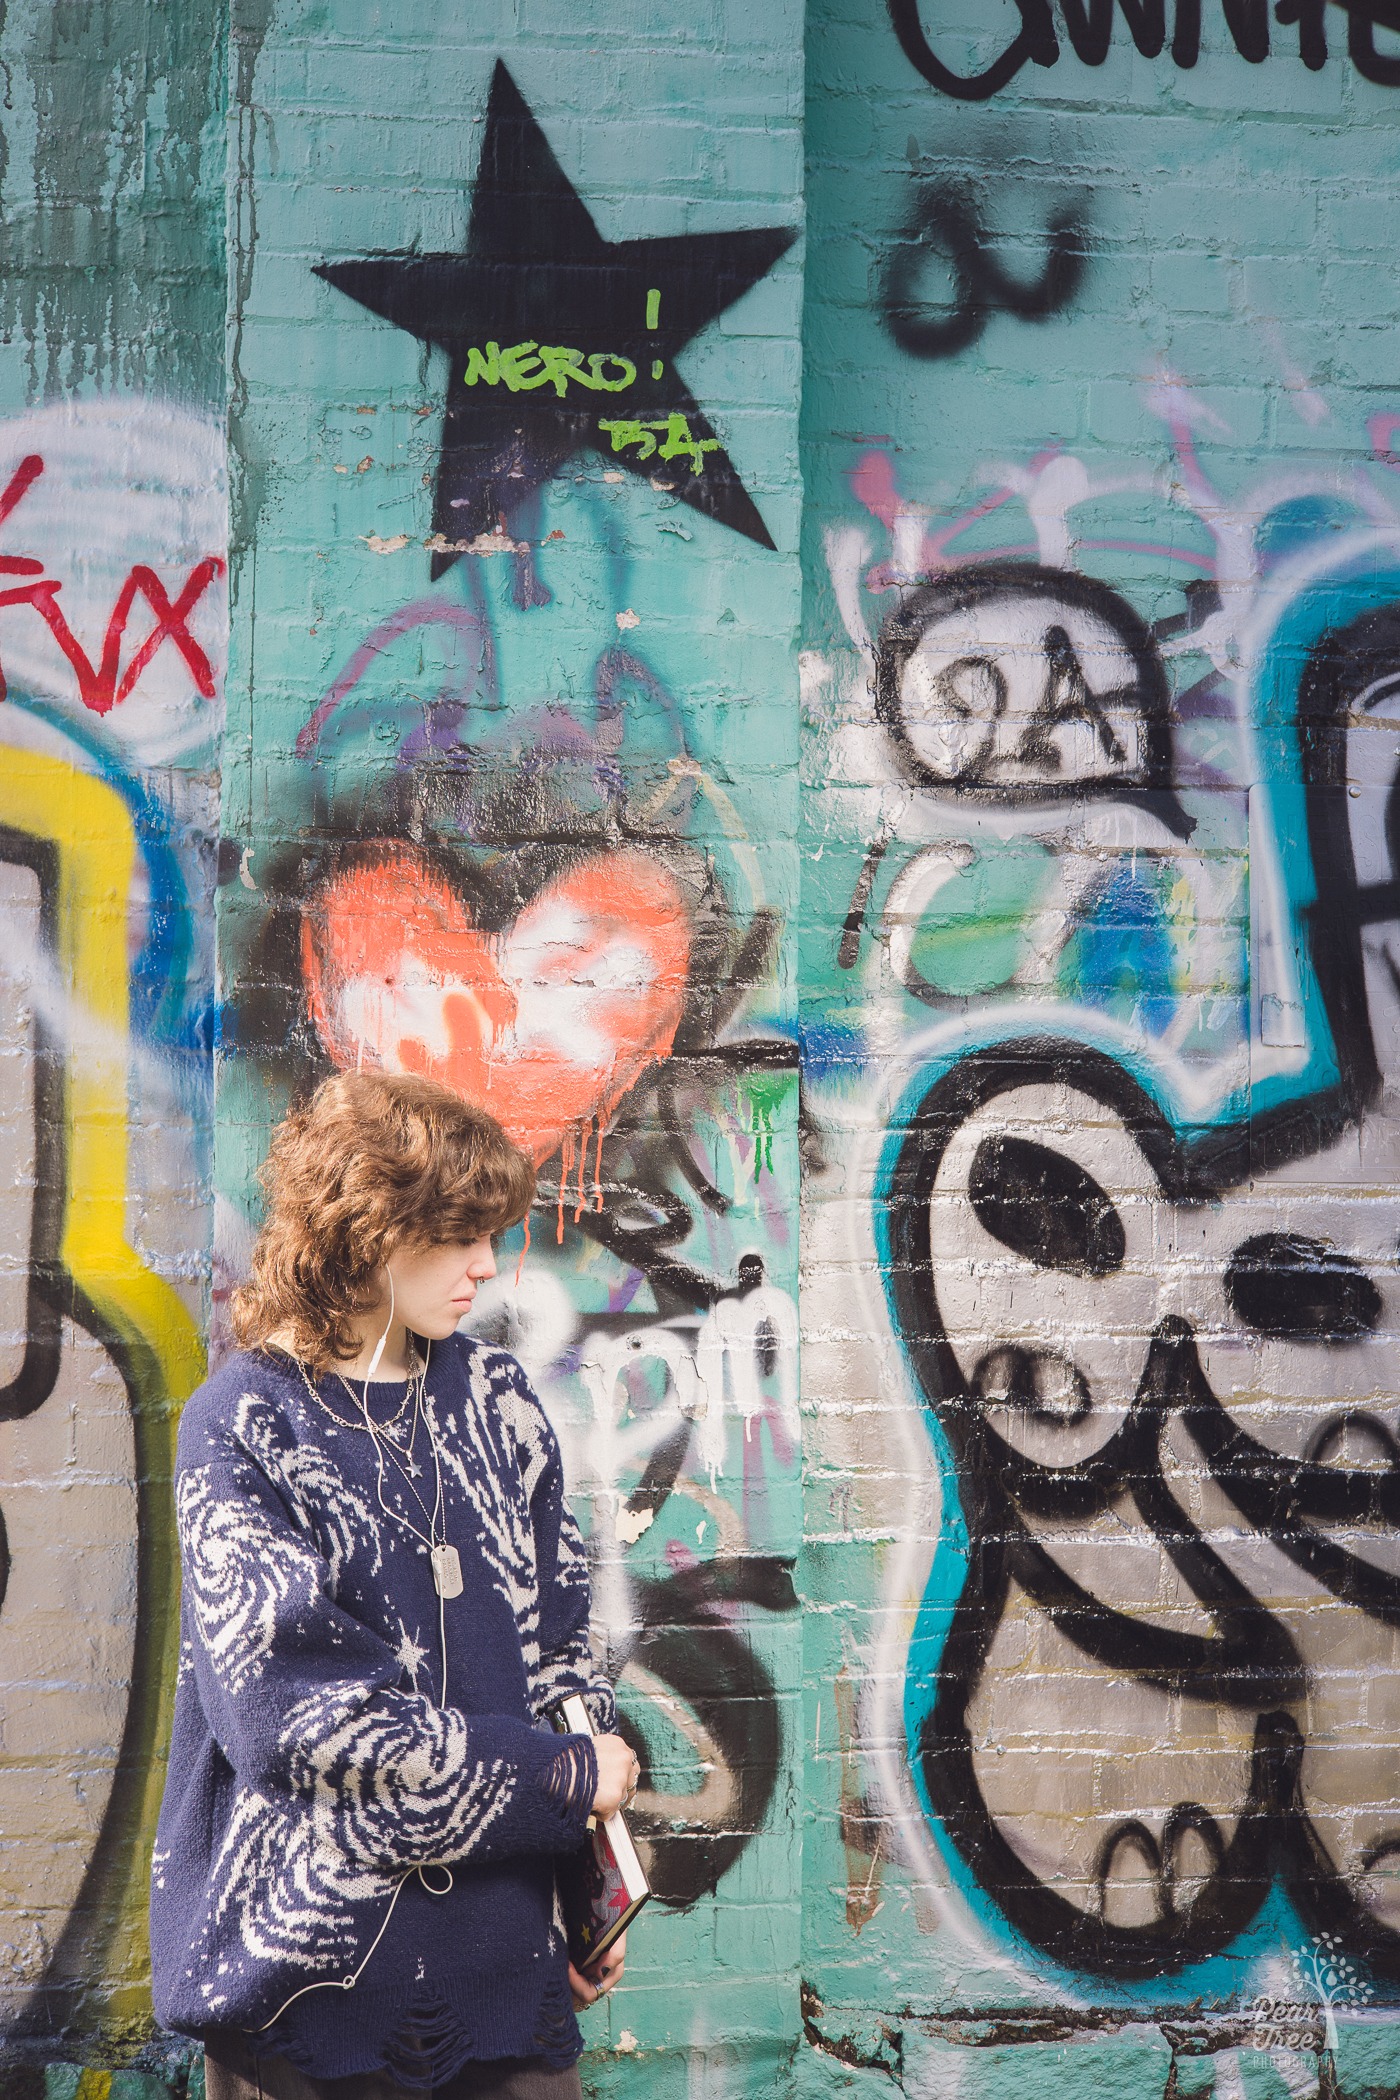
(546, 1024)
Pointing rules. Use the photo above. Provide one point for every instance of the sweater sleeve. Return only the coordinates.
(302, 1697)
(567, 1664)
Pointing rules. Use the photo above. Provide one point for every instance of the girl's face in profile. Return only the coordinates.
(434, 1286)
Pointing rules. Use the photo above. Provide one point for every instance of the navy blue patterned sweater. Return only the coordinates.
(314, 1765)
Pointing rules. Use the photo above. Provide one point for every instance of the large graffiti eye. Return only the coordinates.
(1044, 1207)
(1043, 1219)
(1300, 1289)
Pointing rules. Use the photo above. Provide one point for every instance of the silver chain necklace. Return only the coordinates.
(407, 1465)
(447, 1581)
(416, 1373)
(391, 1426)
(443, 1558)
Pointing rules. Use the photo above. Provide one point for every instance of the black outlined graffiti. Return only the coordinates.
(1090, 28)
(945, 222)
(1011, 683)
(685, 1654)
(38, 1370)
(1382, 70)
(1012, 1500)
(1311, 15)
(1034, 42)
(1138, 1470)
(686, 1643)
(1283, 1283)
(1014, 683)
(86, 1401)
(1090, 31)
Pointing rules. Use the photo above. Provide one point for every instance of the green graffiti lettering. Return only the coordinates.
(679, 439)
(525, 366)
(561, 365)
(521, 369)
(624, 434)
(483, 364)
(608, 357)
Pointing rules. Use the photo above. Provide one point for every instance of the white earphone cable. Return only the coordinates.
(379, 1345)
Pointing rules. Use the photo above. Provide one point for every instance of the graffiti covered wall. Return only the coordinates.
(113, 539)
(510, 793)
(1099, 1026)
(815, 618)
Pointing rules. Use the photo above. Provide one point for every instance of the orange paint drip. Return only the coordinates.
(565, 1170)
(520, 1265)
(603, 1121)
(582, 1170)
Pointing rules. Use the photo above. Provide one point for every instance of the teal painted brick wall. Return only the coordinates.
(613, 640)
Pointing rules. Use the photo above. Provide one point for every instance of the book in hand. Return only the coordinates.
(602, 1886)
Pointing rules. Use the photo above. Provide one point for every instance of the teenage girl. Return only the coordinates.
(353, 1892)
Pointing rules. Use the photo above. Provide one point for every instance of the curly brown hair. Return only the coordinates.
(370, 1162)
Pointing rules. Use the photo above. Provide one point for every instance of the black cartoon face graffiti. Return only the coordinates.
(1166, 1366)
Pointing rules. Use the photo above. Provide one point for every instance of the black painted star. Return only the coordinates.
(560, 341)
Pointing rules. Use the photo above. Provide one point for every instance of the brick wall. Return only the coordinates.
(862, 544)
(1100, 565)
(540, 689)
(112, 640)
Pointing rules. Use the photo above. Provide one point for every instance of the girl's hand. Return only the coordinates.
(599, 1981)
(618, 1773)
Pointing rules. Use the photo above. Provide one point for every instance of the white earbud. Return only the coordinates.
(379, 1345)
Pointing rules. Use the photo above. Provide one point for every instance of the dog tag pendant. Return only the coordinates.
(447, 1571)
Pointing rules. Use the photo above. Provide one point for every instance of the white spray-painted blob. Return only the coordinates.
(124, 482)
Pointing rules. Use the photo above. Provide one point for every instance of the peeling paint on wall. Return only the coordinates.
(113, 269)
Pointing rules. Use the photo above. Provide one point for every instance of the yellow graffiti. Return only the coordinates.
(87, 824)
